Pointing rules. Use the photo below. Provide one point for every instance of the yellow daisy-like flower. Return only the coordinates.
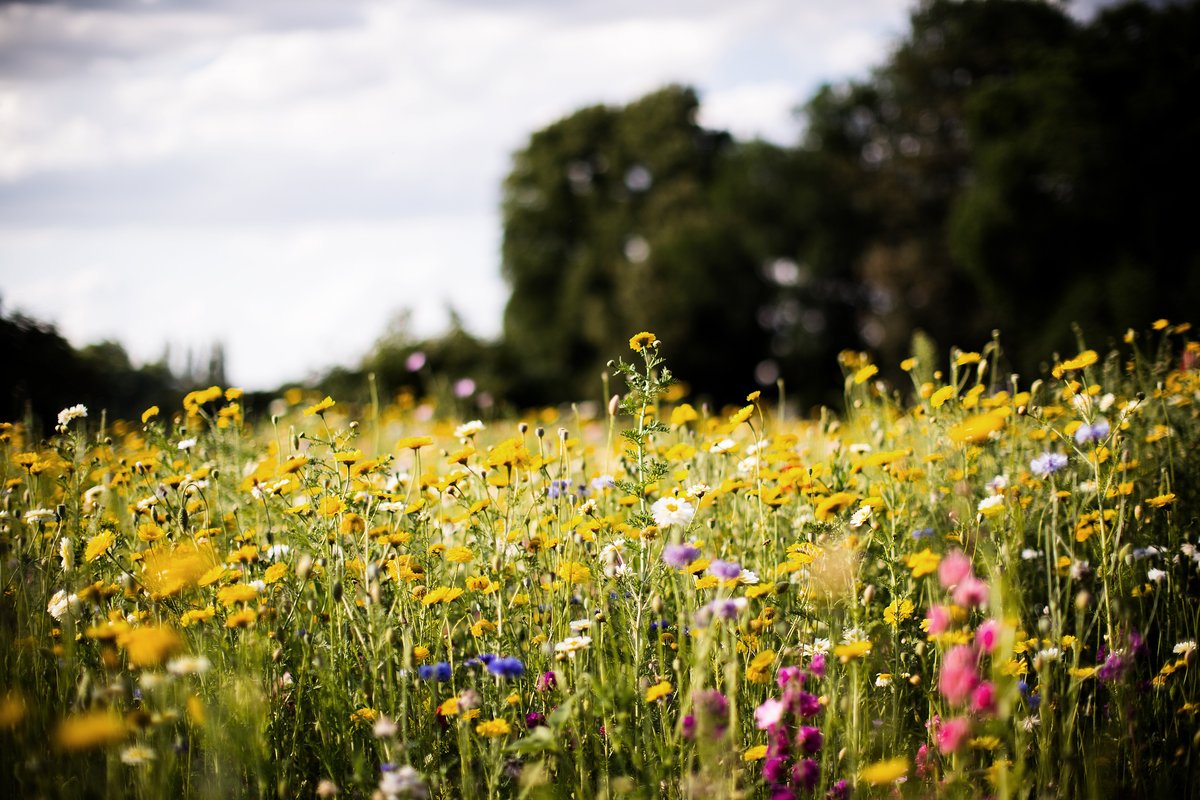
(98, 545)
(94, 729)
(923, 562)
(459, 555)
(189, 618)
(641, 341)
(939, 398)
(1161, 500)
(493, 727)
(882, 772)
(237, 593)
(574, 572)
(242, 619)
(414, 442)
(658, 691)
(897, 611)
(741, 415)
(865, 374)
(149, 646)
(851, 651)
(149, 414)
(977, 428)
(321, 407)
(756, 753)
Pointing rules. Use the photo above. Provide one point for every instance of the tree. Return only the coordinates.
(612, 226)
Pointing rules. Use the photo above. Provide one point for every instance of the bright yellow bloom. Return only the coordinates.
(94, 729)
(923, 562)
(1161, 500)
(851, 651)
(865, 374)
(938, 398)
(882, 772)
(98, 545)
(242, 619)
(658, 691)
(442, 594)
(149, 646)
(756, 753)
(897, 611)
(493, 727)
(149, 414)
(414, 442)
(574, 572)
(977, 428)
(189, 618)
(640, 341)
(320, 407)
(459, 555)
(741, 415)
(236, 593)
(683, 414)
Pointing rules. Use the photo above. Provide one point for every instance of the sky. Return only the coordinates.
(287, 177)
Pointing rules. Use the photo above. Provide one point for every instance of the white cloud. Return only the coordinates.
(283, 175)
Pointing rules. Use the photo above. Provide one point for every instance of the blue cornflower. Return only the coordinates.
(1092, 433)
(726, 570)
(680, 555)
(437, 672)
(559, 487)
(1048, 463)
(922, 533)
(506, 667)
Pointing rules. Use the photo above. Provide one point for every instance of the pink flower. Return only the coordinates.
(971, 592)
(768, 714)
(986, 635)
(952, 734)
(983, 698)
(955, 566)
(939, 619)
(959, 677)
(788, 674)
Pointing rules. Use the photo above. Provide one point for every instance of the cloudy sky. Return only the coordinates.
(284, 176)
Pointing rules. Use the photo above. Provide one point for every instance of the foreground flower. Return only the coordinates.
(679, 555)
(493, 727)
(671, 510)
(1047, 464)
(882, 772)
(93, 729)
(67, 414)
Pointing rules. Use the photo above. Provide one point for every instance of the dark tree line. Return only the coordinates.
(1006, 167)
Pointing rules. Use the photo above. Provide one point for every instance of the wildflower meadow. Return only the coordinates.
(970, 585)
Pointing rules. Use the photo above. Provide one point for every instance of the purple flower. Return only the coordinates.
(506, 667)
(810, 739)
(839, 791)
(1092, 433)
(689, 727)
(558, 488)
(817, 665)
(775, 770)
(787, 675)
(725, 570)
(415, 361)
(721, 608)
(547, 682)
(806, 773)
(806, 705)
(680, 555)
(534, 719)
(1047, 464)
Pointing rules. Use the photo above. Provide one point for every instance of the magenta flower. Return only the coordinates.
(987, 634)
(952, 734)
(768, 714)
(939, 619)
(953, 569)
(983, 698)
(959, 675)
(971, 592)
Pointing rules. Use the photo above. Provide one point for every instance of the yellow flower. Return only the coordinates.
(98, 545)
(574, 572)
(851, 651)
(683, 414)
(897, 611)
(882, 772)
(923, 562)
(364, 715)
(275, 573)
(442, 594)
(493, 727)
(831, 505)
(741, 415)
(641, 341)
(414, 442)
(865, 374)
(149, 414)
(1161, 500)
(242, 619)
(320, 407)
(189, 618)
(149, 646)
(977, 428)
(459, 555)
(171, 570)
(658, 691)
(94, 729)
(938, 398)
(756, 753)
(237, 593)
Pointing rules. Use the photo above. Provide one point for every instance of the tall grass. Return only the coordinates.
(973, 587)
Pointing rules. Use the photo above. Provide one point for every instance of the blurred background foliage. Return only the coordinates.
(1006, 167)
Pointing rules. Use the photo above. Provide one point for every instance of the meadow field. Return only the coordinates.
(971, 585)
